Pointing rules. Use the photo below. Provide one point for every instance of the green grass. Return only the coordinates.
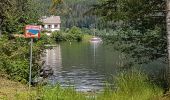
(132, 85)
(59, 93)
(52, 93)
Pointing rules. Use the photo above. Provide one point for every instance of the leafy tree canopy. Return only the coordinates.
(141, 32)
(141, 14)
(14, 14)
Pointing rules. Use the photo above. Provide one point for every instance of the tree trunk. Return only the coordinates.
(0, 26)
(168, 38)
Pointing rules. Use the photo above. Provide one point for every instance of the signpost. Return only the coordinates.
(31, 31)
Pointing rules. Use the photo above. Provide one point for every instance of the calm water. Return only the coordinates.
(86, 66)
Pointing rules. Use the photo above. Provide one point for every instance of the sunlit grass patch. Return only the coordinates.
(59, 93)
(132, 85)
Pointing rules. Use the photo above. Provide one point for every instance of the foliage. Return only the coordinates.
(14, 60)
(59, 36)
(139, 14)
(139, 27)
(143, 47)
(53, 6)
(73, 34)
(17, 13)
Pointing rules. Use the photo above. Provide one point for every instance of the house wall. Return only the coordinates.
(52, 27)
(55, 29)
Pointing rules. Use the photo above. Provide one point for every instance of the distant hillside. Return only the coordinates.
(71, 12)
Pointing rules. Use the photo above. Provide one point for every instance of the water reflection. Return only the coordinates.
(94, 46)
(54, 58)
(82, 65)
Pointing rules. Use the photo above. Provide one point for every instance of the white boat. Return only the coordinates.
(96, 39)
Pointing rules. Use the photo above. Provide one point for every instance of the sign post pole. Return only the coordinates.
(31, 31)
(30, 69)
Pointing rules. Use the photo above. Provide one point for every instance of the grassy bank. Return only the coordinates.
(131, 85)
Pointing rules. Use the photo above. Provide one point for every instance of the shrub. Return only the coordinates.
(75, 34)
(58, 36)
(14, 57)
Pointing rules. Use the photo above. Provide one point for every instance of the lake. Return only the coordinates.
(86, 66)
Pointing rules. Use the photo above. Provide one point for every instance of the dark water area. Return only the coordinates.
(85, 66)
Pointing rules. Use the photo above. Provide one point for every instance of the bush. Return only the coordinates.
(14, 57)
(45, 38)
(58, 36)
(143, 47)
(74, 34)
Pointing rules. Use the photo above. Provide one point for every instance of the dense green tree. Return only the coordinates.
(140, 14)
(14, 57)
(168, 35)
(15, 14)
(141, 27)
(141, 30)
(54, 5)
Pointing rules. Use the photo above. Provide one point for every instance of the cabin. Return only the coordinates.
(51, 24)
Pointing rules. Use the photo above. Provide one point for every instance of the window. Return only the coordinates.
(49, 26)
(56, 26)
(42, 26)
